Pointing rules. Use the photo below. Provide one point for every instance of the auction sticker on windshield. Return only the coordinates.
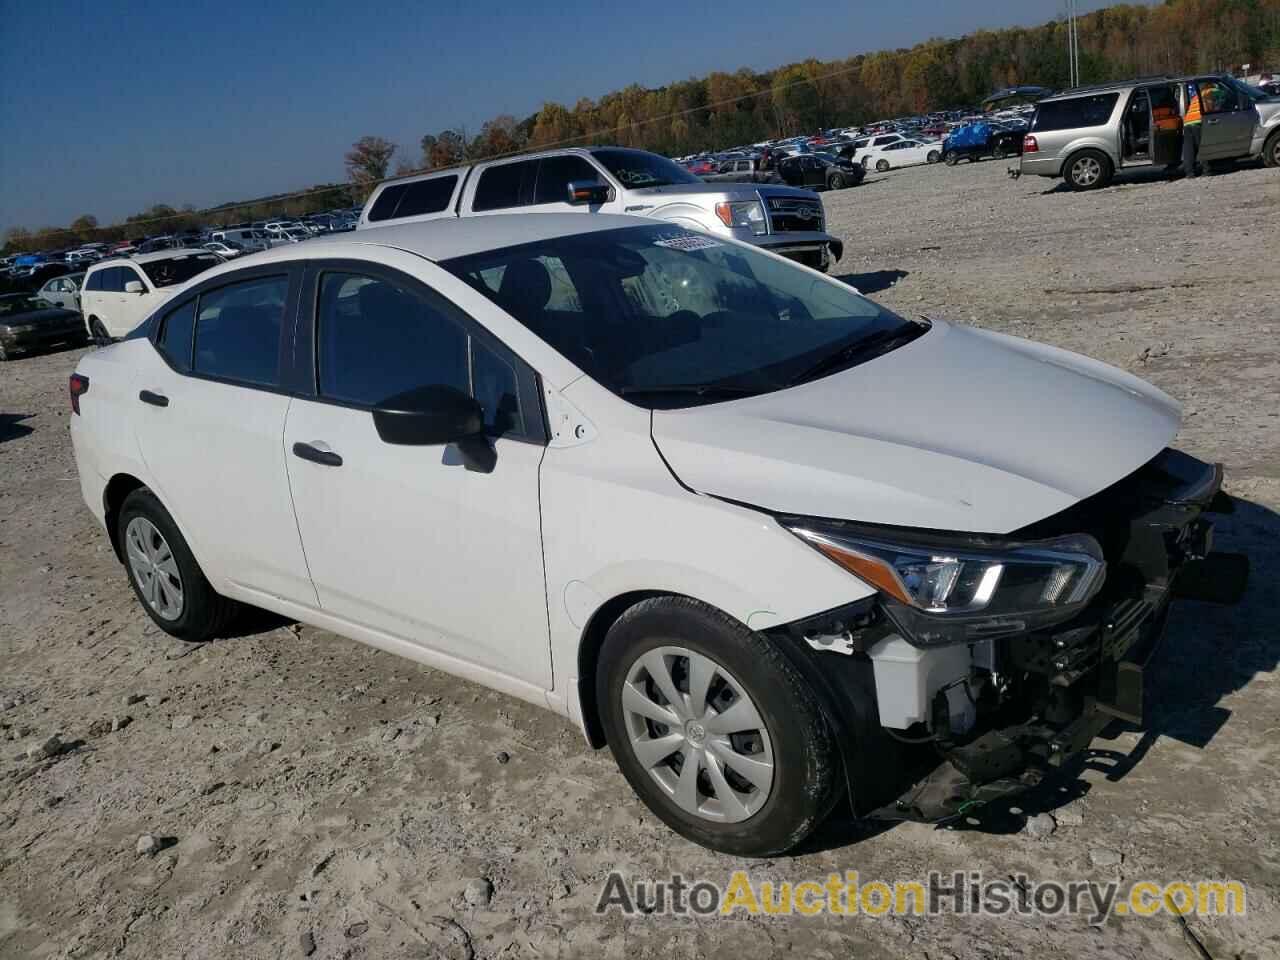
(687, 241)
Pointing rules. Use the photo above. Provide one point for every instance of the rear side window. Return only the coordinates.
(426, 196)
(94, 280)
(112, 280)
(1079, 112)
(238, 331)
(177, 335)
(502, 186)
(555, 175)
(384, 208)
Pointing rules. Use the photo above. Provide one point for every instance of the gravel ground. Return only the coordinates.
(289, 793)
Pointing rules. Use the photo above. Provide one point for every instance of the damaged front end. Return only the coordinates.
(973, 685)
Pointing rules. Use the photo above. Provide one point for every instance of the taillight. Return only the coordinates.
(1029, 144)
(78, 387)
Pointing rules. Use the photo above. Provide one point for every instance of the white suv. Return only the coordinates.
(118, 294)
(754, 532)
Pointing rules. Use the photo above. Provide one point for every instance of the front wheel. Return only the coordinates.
(933, 156)
(836, 182)
(882, 166)
(715, 729)
(165, 576)
(1271, 152)
(998, 152)
(950, 158)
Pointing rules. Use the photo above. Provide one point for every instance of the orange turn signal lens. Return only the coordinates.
(875, 572)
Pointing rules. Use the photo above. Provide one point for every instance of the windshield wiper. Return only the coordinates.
(720, 390)
(860, 351)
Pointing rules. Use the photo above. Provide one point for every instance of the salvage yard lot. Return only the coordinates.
(309, 793)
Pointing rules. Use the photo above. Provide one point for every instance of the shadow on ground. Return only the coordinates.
(872, 282)
(12, 427)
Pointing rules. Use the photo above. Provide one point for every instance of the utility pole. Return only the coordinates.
(1073, 46)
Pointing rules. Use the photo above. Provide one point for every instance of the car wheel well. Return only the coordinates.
(589, 657)
(118, 488)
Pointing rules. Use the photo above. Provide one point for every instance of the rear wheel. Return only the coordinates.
(836, 182)
(714, 729)
(98, 332)
(165, 576)
(998, 152)
(882, 166)
(1088, 170)
(933, 156)
(950, 158)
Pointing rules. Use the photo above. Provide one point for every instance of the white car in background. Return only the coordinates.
(902, 153)
(224, 249)
(661, 483)
(117, 295)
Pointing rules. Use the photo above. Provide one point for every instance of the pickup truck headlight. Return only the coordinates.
(940, 590)
(743, 213)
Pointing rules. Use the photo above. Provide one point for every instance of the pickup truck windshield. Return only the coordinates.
(669, 318)
(636, 169)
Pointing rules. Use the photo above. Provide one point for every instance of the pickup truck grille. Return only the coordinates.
(794, 213)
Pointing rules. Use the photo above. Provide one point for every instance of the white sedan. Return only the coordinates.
(656, 481)
(904, 153)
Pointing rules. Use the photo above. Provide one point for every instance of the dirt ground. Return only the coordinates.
(306, 793)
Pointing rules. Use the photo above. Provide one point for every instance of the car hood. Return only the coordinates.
(961, 429)
(51, 317)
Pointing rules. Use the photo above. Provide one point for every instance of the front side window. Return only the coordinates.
(129, 275)
(238, 331)
(556, 173)
(671, 318)
(113, 280)
(377, 339)
(1216, 97)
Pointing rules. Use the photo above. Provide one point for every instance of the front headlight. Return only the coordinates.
(744, 213)
(941, 590)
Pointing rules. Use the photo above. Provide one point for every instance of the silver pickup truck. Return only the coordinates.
(782, 219)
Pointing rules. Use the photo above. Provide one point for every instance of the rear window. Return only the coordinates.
(502, 186)
(1078, 112)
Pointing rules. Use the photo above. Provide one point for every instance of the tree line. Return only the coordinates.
(726, 109)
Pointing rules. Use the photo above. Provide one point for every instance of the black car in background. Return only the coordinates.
(819, 171)
(30, 323)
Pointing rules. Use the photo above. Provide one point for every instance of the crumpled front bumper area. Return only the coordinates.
(1064, 685)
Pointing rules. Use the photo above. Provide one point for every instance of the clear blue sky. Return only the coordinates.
(109, 107)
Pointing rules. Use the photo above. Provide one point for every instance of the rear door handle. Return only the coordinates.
(153, 398)
(317, 453)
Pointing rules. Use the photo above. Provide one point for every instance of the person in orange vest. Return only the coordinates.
(1191, 122)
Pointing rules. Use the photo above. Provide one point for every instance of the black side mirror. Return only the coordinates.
(588, 191)
(434, 416)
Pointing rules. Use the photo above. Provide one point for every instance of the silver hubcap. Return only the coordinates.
(1087, 171)
(154, 568)
(693, 727)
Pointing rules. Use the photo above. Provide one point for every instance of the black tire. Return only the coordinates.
(998, 152)
(933, 156)
(950, 158)
(882, 166)
(1271, 152)
(1088, 170)
(836, 182)
(98, 332)
(5, 356)
(806, 777)
(205, 613)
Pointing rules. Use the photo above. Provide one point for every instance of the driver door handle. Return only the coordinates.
(153, 398)
(317, 452)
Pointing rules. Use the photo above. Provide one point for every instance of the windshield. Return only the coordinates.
(640, 309)
(1249, 90)
(636, 169)
(167, 272)
(17, 303)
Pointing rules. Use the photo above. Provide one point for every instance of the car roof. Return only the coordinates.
(437, 240)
